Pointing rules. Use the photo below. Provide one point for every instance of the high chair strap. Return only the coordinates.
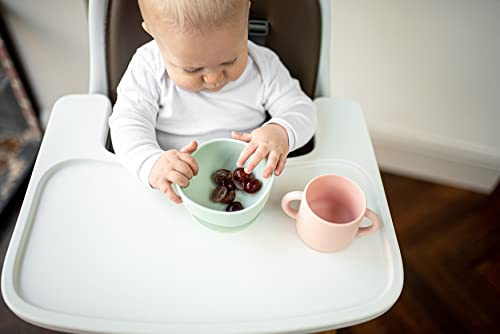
(258, 30)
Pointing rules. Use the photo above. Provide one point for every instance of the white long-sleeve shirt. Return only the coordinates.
(152, 114)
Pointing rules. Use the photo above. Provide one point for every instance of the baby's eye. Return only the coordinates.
(193, 71)
(229, 63)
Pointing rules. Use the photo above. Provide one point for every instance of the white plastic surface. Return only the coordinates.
(95, 251)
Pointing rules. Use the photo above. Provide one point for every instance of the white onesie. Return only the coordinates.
(152, 114)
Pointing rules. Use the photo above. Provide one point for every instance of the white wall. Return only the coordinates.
(51, 39)
(427, 74)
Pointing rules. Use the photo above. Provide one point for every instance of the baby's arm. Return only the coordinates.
(134, 136)
(291, 110)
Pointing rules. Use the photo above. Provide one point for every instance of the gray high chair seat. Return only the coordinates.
(298, 43)
(95, 251)
(272, 24)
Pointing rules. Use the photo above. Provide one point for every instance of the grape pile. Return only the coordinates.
(228, 183)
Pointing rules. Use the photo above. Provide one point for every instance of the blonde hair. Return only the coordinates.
(197, 15)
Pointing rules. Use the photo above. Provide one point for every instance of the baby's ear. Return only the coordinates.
(145, 27)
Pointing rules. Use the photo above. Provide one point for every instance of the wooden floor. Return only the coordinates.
(450, 242)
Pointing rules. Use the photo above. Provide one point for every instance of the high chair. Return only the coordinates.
(95, 251)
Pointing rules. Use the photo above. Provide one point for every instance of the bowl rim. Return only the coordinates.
(224, 213)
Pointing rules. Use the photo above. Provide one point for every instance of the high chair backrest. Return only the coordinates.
(297, 30)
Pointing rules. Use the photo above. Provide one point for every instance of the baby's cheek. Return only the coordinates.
(236, 71)
(233, 76)
(188, 83)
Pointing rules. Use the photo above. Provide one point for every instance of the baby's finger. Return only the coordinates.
(260, 154)
(272, 161)
(281, 165)
(166, 188)
(188, 158)
(178, 178)
(241, 136)
(247, 152)
(183, 168)
(190, 148)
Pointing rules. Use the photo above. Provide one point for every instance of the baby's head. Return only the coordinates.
(203, 42)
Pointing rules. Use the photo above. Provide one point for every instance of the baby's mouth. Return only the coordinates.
(215, 88)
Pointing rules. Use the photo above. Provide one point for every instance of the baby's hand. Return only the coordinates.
(174, 166)
(271, 141)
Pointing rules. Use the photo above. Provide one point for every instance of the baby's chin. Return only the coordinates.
(202, 89)
(213, 90)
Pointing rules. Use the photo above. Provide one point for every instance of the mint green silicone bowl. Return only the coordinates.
(211, 156)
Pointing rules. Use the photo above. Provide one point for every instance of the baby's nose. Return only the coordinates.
(213, 77)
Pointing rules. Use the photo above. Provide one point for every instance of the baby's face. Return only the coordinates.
(204, 61)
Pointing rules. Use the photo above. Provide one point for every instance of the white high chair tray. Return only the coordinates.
(95, 251)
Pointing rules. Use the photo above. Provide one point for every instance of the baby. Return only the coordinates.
(201, 78)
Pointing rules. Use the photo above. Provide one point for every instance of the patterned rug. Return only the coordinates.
(20, 134)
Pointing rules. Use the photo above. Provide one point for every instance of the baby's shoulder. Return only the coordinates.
(261, 53)
(266, 60)
(149, 56)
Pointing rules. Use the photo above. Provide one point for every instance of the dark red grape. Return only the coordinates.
(219, 193)
(239, 174)
(234, 206)
(251, 185)
(228, 183)
(238, 184)
(220, 175)
(230, 196)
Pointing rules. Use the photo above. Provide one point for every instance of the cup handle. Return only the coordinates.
(285, 202)
(373, 227)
